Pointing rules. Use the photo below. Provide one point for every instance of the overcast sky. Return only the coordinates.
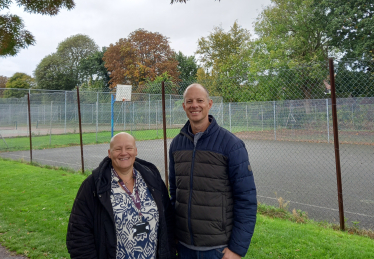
(106, 21)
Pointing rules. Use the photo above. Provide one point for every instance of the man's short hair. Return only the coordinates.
(196, 84)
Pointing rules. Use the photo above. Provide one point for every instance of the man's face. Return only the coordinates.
(196, 104)
(122, 152)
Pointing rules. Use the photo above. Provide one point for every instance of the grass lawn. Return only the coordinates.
(35, 205)
(73, 139)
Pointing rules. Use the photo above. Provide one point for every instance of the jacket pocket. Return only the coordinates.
(224, 205)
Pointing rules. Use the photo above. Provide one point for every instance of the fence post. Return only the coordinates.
(80, 129)
(328, 121)
(112, 112)
(275, 122)
(29, 120)
(65, 114)
(170, 108)
(230, 115)
(164, 130)
(97, 114)
(157, 118)
(336, 144)
(50, 124)
(124, 116)
(149, 111)
(222, 108)
(262, 118)
(246, 114)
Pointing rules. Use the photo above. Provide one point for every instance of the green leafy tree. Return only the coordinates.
(13, 36)
(225, 57)
(349, 26)
(291, 36)
(155, 86)
(52, 74)
(18, 81)
(73, 50)
(62, 70)
(93, 74)
(187, 67)
(219, 46)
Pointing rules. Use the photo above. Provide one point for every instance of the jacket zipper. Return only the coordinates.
(190, 198)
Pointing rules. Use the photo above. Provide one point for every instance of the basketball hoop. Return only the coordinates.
(123, 93)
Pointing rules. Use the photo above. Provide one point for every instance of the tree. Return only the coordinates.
(142, 56)
(13, 36)
(93, 74)
(51, 74)
(74, 49)
(187, 67)
(3, 80)
(350, 26)
(292, 30)
(155, 86)
(62, 70)
(291, 36)
(19, 81)
(188, 71)
(225, 56)
(219, 46)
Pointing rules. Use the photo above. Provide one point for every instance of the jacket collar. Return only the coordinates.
(213, 126)
(102, 174)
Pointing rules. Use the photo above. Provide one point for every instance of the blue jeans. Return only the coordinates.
(186, 253)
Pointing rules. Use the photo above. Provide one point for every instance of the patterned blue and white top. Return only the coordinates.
(126, 215)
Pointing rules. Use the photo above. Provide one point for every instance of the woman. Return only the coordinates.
(122, 210)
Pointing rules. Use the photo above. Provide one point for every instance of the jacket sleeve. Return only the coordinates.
(170, 222)
(80, 240)
(172, 186)
(245, 201)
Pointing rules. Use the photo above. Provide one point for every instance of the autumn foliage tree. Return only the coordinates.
(140, 57)
(3, 80)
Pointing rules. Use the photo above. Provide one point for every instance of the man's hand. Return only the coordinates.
(228, 254)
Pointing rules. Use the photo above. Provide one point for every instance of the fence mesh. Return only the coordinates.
(283, 115)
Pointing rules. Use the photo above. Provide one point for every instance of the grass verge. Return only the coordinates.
(35, 205)
(64, 140)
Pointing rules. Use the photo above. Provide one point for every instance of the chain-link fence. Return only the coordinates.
(284, 116)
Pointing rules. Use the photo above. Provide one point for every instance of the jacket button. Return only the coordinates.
(100, 196)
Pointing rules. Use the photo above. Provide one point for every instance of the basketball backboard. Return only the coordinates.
(123, 93)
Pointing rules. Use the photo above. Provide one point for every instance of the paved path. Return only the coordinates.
(5, 254)
(300, 172)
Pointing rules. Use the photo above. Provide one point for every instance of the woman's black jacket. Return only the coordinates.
(91, 230)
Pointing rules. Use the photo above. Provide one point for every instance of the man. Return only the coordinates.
(122, 210)
(211, 185)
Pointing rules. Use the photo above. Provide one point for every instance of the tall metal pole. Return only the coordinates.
(275, 122)
(165, 140)
(336, 144)
(65, 115)
(112, 114)
(97, 114)
(28, 104)
(328, 120)
(80, 129)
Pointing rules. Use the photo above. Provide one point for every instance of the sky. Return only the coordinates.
(107, 21)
